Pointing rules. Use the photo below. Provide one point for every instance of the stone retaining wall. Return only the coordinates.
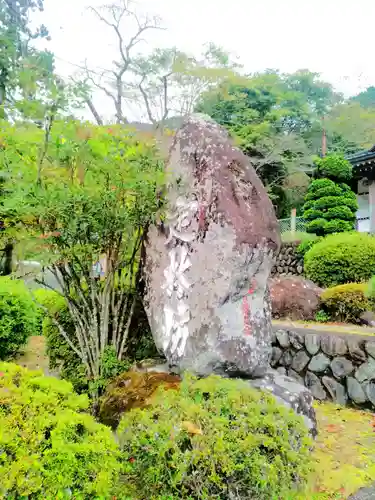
(288, 262)
(334, 367)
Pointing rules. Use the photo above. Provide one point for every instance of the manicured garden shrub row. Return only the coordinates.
(289, 262)
(207, 438)
(334, 367)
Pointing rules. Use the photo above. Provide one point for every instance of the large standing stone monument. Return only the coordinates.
(207, 267)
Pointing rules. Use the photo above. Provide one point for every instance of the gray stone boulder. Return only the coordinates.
(291, 394)
(206, 268)
(364, 494)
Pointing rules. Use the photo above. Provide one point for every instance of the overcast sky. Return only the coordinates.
(332, 37)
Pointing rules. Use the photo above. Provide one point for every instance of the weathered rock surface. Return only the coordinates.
(366, 371)
(289, 262)
(370, 348)
(356, 351)
(297, 340)
(276, 355)
(294, 297)
(341, 367)
(335, 390)
(370, 391)
(291, 394)
(283, 338)
(364, 494)
(312, 343)
(295, 376)
(300, 361)
(336, 367)
(315, 386)
(206, 269)
(333, 345)
(319, 363)
(355, 391)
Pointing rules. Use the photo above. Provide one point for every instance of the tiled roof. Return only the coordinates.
(362, 158)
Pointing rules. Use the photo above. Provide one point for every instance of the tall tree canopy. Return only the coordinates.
(276, 120)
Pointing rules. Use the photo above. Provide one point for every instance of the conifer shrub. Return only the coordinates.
(330, 205)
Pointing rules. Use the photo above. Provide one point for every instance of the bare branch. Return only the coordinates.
(117, 12)
(93, 110)
(147, 102)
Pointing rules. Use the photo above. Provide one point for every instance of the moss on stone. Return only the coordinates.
(132, 390)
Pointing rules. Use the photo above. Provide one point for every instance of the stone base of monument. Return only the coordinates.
(291, 394)
(285, 390)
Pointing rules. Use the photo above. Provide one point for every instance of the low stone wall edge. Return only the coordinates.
(335, 367)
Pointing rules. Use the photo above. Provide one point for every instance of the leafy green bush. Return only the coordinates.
(341, 258)
(334, 167)
(321, 317)
(49, 447)
(213, 438)
(370, 290)
(346, 302)
(18, 316)
(308, 243)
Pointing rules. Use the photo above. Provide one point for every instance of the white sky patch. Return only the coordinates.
(331, 37)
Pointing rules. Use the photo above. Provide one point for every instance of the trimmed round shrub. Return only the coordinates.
(337, 226)
(18, 316)
(329, 207)
(213, 438)
(328, 202)
(341, 258)
(49, 446)
(346, 302)
(334, 167)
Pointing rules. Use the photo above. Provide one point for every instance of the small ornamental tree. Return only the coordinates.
(77, 196)
(330, 205)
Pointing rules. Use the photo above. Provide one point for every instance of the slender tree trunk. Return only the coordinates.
(8, 259)
(93, 110)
